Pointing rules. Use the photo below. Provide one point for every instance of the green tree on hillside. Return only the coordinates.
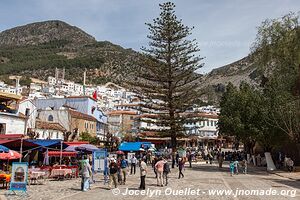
(277, 46)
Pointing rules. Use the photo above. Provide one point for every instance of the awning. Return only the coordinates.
(64, 154)
(134, 146)
(75, 143)
(3, 148)
(45, 143)
(16, 144)
(11, 136)
(9, 96)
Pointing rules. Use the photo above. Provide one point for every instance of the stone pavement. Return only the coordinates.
(290, 175)
(202, 178)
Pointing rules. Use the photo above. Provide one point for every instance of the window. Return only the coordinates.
(93, 109)
(212, 123)
(27, 112)
(2, 128)
(207, 123)
(50, 118)
(57, 135)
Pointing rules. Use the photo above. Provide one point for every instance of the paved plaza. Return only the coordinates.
(199, 183)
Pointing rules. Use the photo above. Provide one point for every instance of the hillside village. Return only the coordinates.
(63, 109)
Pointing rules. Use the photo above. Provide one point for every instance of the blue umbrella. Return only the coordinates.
(4, 149)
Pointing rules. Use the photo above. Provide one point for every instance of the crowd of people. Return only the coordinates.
(119, 167)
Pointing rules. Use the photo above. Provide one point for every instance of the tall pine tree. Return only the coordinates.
(167, 82)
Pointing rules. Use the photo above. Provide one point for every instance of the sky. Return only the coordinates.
(224, 29)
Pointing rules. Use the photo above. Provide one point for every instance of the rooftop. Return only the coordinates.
(122, 112)
(8, 96)
(49, 126)
(76, 114)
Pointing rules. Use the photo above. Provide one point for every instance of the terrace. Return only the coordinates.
(9, 103)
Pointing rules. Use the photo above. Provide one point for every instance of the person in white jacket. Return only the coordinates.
(86, 173)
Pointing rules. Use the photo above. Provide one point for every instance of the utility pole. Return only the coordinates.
(56, 74)
(63, 74)
(17, 78)
(84, 80)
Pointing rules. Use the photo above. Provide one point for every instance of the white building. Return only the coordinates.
(11, 121)
(29, 110)
(49, 130)
(78, 89)
(35, 87)
(48, 90)
(52, 80)
(206, 128)
(112, 95)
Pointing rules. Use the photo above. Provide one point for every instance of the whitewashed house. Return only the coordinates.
(11, 120)
(49, 130)
(29, 110)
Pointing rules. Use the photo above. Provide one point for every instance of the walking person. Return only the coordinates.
(290, 165)
(106, 169)
(85, 174)
(180, 167)
(210, 157)
(133, 164)
(221, 159)
(119, 171)
(231, 167)
(143, 173)
(280, 160)
(258, 159)
(113, 173)
(159, 168)
(244, 166)
(124, 169)
(236, 167)
(190, 159)
(177, 158)
(155, 160)
(166, 171)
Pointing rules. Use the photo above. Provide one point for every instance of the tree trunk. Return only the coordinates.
(174, 148)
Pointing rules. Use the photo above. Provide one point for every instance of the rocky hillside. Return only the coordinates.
(214, 83)
(44, 32)
(35, 50)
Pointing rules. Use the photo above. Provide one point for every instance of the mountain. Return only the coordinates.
(36, 49)
(214, 83)
(43, 32)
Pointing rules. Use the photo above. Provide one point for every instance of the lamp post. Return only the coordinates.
(21, 149)
(60, 157)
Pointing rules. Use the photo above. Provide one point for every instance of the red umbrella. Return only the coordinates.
(119, 152)
(10, 155)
